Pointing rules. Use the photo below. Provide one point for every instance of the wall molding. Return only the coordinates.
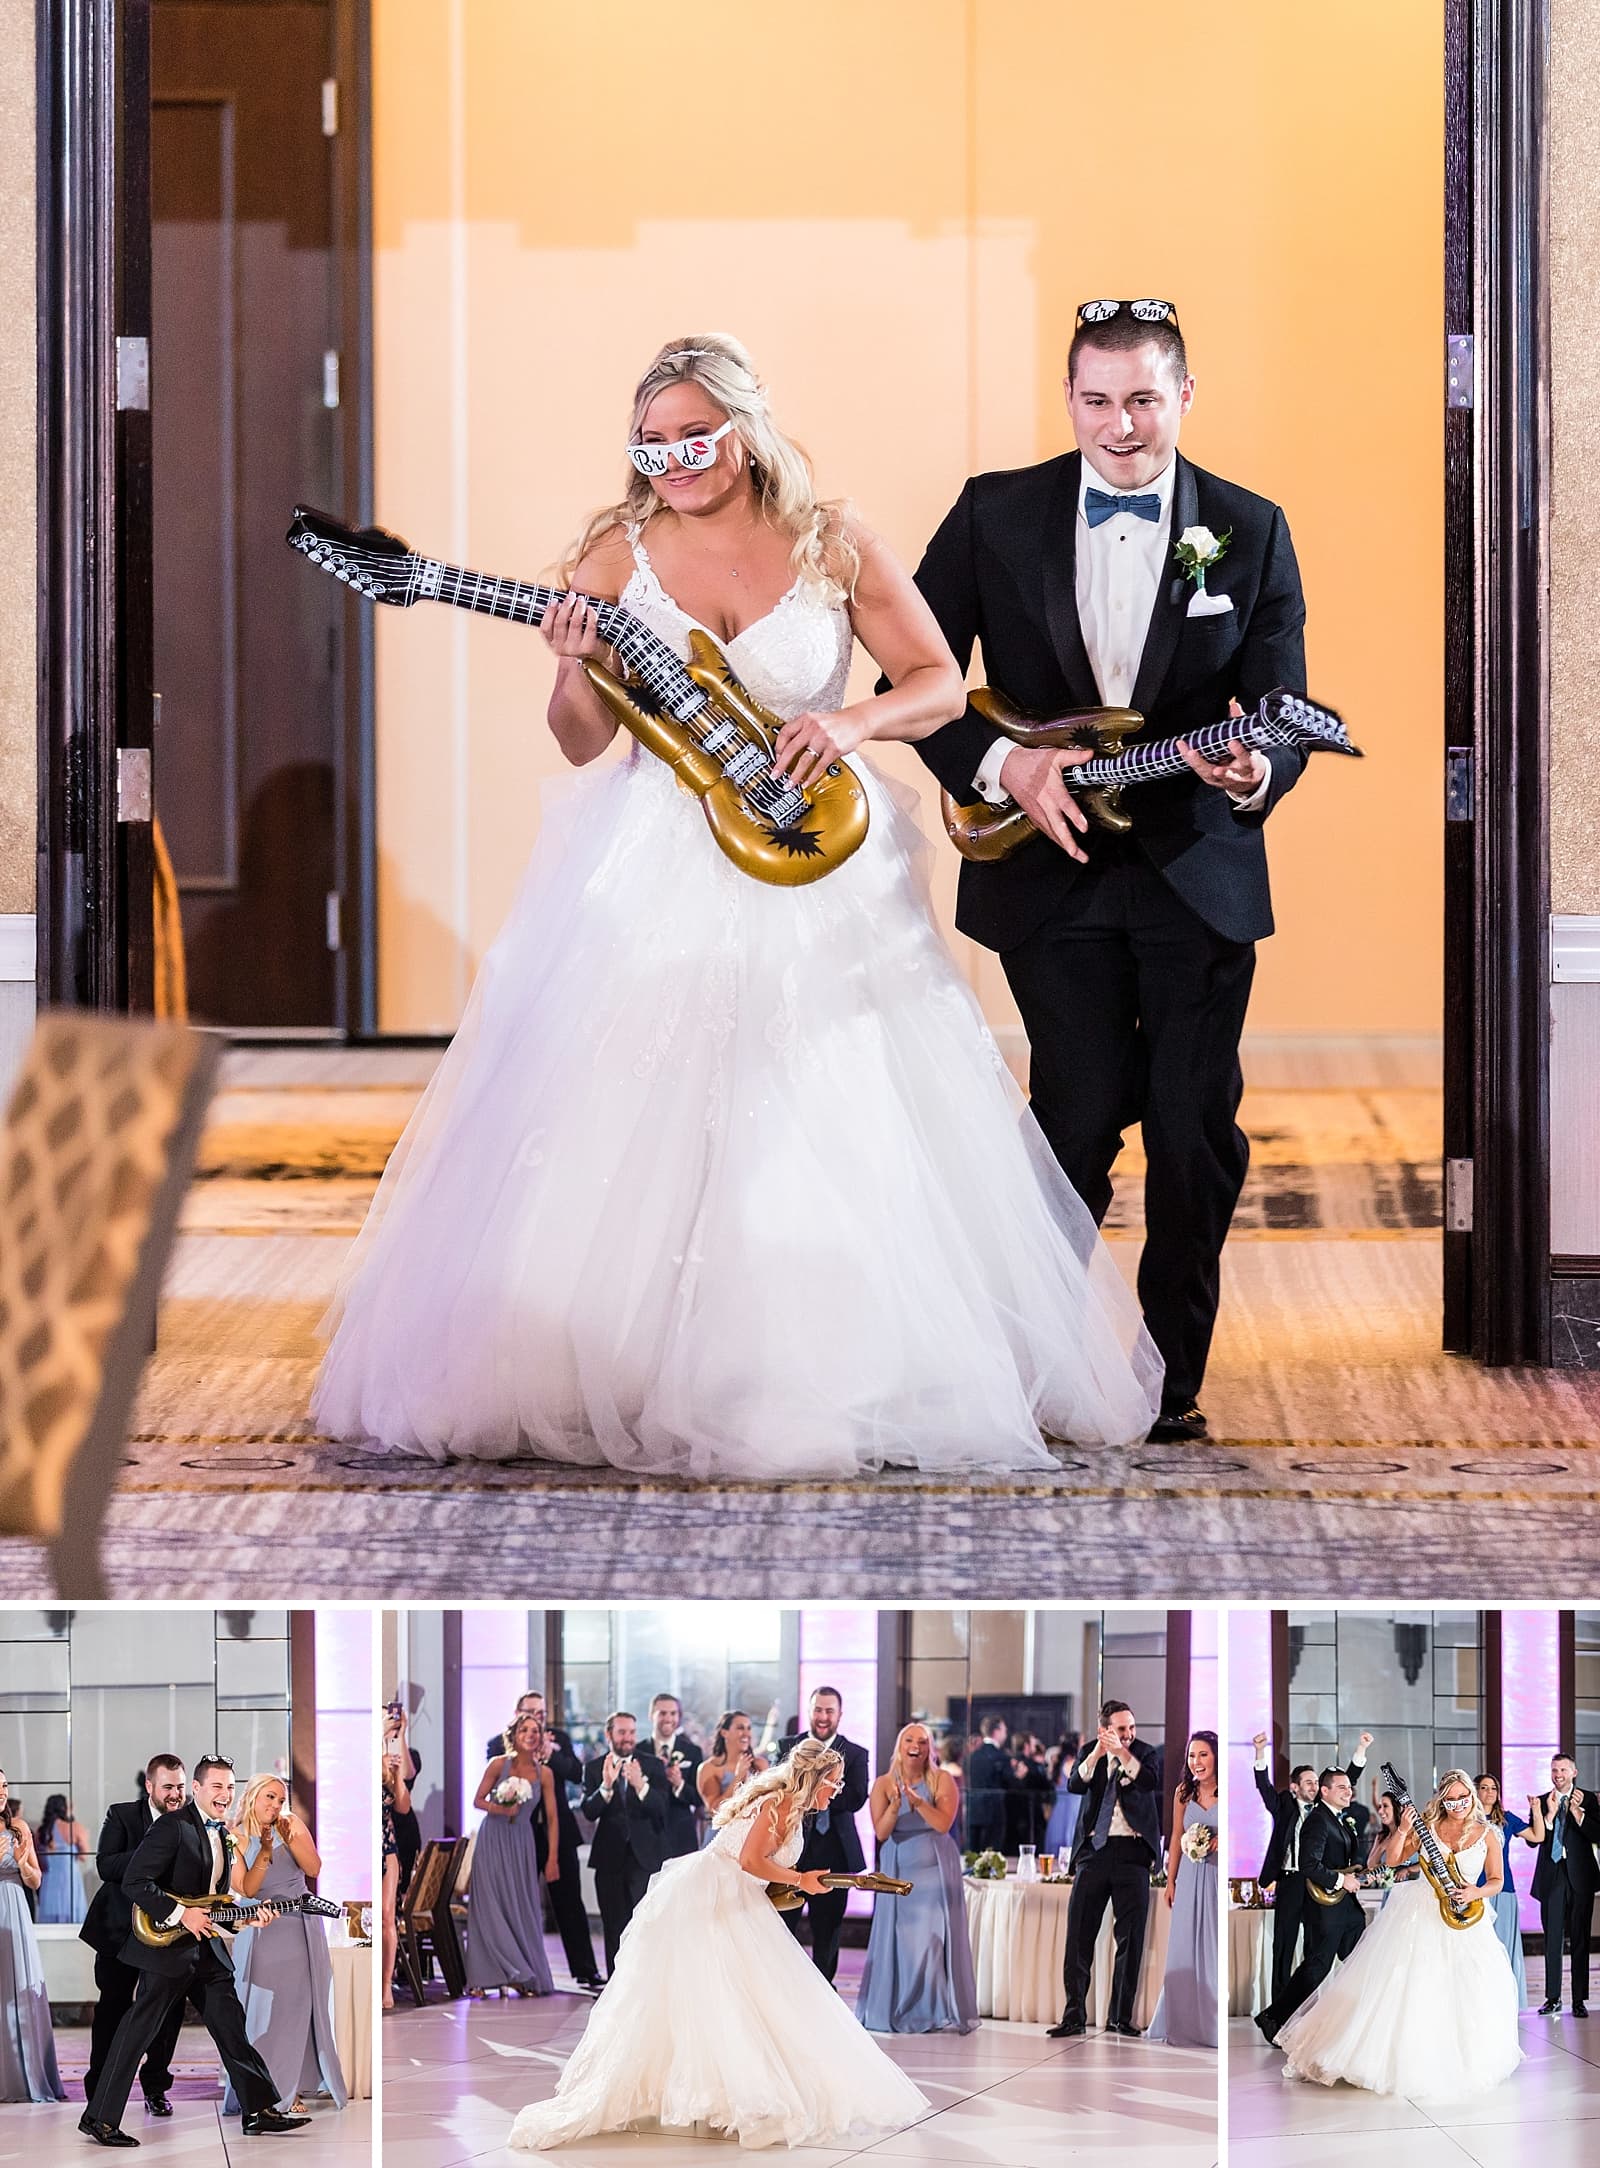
(1574, 948)
(19, 938)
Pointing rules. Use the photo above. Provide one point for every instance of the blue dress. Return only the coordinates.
(61, 1899)
(1508, 1907)
(27, 2041)
(918, 1974)
(1063, 1815)
(1186, 2015)
(505, 1904)
(284, 1978)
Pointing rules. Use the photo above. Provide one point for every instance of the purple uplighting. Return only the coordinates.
(840, 1649)
(1249, 1711)
(1530, 1705)
(346, 1785)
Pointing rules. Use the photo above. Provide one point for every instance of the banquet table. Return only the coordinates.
(1019, 1941)
(1250, 1954)
(352, 2014)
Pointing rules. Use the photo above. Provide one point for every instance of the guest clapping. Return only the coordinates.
(732, 1761)
(505, 1912)
(680, 1758)
(1186, 2016)
(625, 1796)
(918, 1974)
(285, 1977)
(27, 2042)
(63, 1846)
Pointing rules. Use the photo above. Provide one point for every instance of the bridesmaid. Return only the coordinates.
(285, 1979)
(1186, 2016)
(395, 1791)
(918, 1974)
(27, 2042)
(63, 1846)
(1507, 1904)
(505, 1915)
(1064, 1814)
(732, 1760)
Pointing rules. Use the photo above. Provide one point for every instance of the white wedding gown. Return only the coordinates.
(1418, 2008)
(715, 2016)
(719, 1179)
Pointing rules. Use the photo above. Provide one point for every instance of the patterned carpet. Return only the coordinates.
(1349, 1456)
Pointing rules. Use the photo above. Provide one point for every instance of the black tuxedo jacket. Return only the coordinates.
(1329, 1846)
(837, 1849)
(1285, 1811)
(173, 1859)
(109, 1920)
(1002, 570)
(626, 1827)
(1577, 1863)
(682, 1833)
(1141, 1799)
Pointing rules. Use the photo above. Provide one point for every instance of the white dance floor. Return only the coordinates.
(1548, 2113)
(454, 2075)
(198, 2135)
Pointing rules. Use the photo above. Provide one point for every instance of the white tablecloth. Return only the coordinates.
(1019, 1944)
(1250, 1955)
(68, 1965)
(352, 2014)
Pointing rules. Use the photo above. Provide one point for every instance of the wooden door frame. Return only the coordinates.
(1497, 503)
(95, 574)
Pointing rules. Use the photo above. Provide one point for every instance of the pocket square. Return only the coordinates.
(1202, 603)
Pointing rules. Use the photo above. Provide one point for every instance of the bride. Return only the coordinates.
(715, 2015)
(1421, 2007)
(719, 1178)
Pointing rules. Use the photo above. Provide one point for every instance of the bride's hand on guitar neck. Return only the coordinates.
(1032, 775)
(810, 744)
(571, 629)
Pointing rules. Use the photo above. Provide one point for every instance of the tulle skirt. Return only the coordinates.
(716, 2017)
(721, 1179)
(1418, 2008)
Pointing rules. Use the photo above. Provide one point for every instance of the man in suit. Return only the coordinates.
(1130, 956)
(625, 1796)
(680, 1758)
(1330, 1860)
(1116, 1843)
(1566, 1825)
(1280, 1868)
(184, 1854)
(109, 1921)
(990, 1778)
(565, 1894)
(832, 1841)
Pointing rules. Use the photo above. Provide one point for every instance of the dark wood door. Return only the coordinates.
(249, 781)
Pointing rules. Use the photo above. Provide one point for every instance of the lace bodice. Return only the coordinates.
(729, 1841)
(796, 657)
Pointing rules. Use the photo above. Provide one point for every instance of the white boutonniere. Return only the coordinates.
(1197, 549)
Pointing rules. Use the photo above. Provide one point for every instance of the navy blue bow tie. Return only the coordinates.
(1099, 506)
(210, 1824)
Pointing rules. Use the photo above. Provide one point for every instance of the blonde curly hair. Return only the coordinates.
(1431, 1812)
(244, 1813)
(824, 558)
(807, 1767)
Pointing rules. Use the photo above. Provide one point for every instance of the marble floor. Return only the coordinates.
(1547, 2114)
(198, 2135)
(1006, 2096)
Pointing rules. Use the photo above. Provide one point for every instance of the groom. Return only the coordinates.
(1330, 1854)
(1130, 956)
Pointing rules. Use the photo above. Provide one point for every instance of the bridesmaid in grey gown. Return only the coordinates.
(1186, 2016)
(27, 2041)
(505, 1912)
(918, 1974)
(285, 1978)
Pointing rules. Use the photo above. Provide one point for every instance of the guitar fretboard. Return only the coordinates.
(1147, 763)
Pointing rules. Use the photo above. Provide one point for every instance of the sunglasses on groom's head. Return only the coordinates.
(1147, 312)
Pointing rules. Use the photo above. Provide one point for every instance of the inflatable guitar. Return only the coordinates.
(789, 1899)
(696, 716)
(1437, 1864)
(983, 832)
(227, 1910)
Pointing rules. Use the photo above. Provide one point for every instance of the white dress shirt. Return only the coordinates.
(214, 1838)
(1122, 1777)
(1119, 567)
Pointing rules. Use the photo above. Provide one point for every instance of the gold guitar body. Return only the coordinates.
(1469, 1914)
(834, 825)
(789, 1899)
(984, 833)
(161, 1937)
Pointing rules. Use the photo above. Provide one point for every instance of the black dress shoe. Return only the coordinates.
(1580, 2009)
(1176, 1423)
(157, 2104)
(1546, 2009)
(1267, 2032)
(103, 2133)
(1068, 2029)
(1128, 2032)
(271, 2122)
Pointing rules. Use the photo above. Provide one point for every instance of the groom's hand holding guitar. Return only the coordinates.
(1241, 774)
(1032, 775)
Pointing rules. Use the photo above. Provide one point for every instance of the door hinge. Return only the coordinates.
(1460, 370)
(1458, 1196)
(133, 376)
(133, 782)
(330, 105)
(330, 377)
(1458, 783)
(335, 919)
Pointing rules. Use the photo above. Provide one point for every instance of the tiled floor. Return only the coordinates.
(1548, 2114)
(1005, 2096)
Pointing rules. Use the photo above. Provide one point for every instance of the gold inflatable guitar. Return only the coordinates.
(696, 716)
(227, 1910)
(789, 1899)
(984, 833)
(1437, 1864)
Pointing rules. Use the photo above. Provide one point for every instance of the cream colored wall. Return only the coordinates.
(18, 329)
(893, 205)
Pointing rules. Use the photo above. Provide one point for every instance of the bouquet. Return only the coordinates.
(984, 1866)
(512, 1792)
(1199, 1841)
